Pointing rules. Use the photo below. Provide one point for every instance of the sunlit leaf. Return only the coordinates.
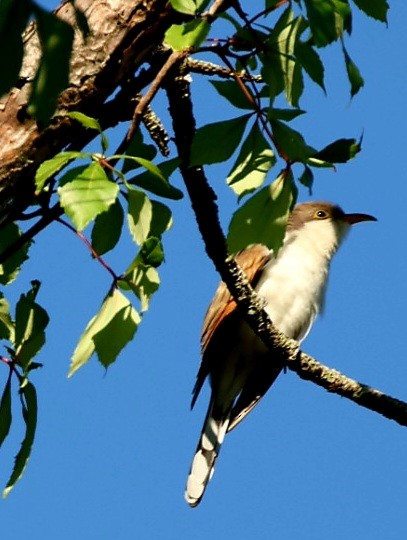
(143, 280)
(52, 166)
(187, 35)
(328, 19)
(6, 323)
(262, 219)
(254, 161)
(140, 215)
(86, 192)
(107, 333)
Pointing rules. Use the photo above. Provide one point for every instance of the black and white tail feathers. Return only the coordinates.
(207, 451)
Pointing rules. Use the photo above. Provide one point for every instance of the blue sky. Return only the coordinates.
(113, 450)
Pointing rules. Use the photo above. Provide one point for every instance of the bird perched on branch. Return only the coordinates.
(238, 364)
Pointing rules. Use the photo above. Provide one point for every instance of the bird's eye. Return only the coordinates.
(321, 214)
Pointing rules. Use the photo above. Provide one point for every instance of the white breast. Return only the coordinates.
(293, 285)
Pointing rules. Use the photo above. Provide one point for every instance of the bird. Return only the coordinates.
(292, 287)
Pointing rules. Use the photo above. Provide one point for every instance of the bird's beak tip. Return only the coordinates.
(358, 218)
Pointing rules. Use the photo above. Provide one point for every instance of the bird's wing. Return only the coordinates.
(251, 260)
(261, 379)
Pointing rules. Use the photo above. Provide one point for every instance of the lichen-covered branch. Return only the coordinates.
(285, 351)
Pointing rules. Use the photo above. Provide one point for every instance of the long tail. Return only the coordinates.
(203, 464)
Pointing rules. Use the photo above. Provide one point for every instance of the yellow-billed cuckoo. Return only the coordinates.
(237, 362)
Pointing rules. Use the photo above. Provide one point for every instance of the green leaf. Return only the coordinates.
(30, 323)
(290, 143)
(233, 93)
(14, 15)
(52, 76)
(138, 148)
(216, 142)
(377, 9)
(6, 323)
(86, 192)
(151, 252)
(263, 218)
(284, 114)
(159, 185)
(29, 395)
(89, 123)
(5, 411)
(143, 280)
(307, 178)
(107, 333)
(254, 161)
(339, 151)
(284, 38)
(161, 219)
(184, 6)
(354, 75)
(9, 234)
(107, 229)
(311, 62)
(328, 19)
(52, 166)
(187, 35)
(140, 215)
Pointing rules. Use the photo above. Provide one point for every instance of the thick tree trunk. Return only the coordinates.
(122, 36)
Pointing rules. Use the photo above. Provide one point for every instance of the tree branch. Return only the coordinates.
(286, 352)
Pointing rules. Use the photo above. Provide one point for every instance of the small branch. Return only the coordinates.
(173, 58)
(82, 237)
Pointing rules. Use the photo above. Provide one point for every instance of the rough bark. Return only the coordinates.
(122, 36)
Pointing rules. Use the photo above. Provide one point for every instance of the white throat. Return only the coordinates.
(293, 285)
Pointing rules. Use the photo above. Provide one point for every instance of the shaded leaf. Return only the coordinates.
(151, 252)
(161, 219)
(216, 142)
(262, 219)
(339, 151)
(374, 8)
(89, 123)
(9, 270)
(328, 19)
(355, 78)
(107, 333)
(14, 15)
(233, 93)
(138, 148)
(52, 76)
(290, 143)
(159, 185)
(254, 161)
(307, 178)
(311, 62)
(284, 114)
(5, 411)
(52, 166)
(30, 322)
(29, 396)
(86, 192)
(107, 228)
